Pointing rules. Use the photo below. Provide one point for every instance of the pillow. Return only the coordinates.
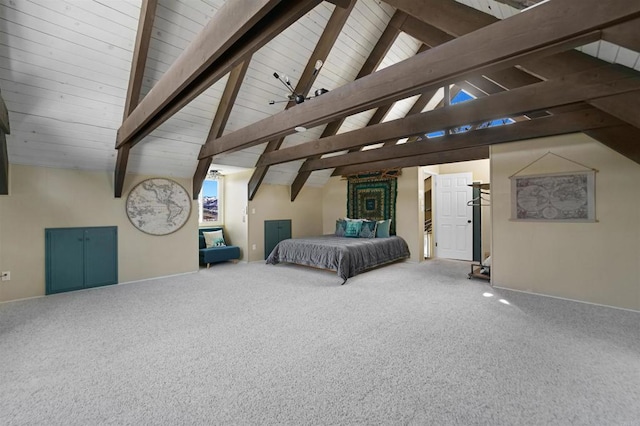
(353, 228)
(368, 229)
(382, 228)
(341, 226)
(214, 239)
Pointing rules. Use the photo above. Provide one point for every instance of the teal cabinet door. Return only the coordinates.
(63, 257)
(100, 256)
(274, 232)
(78, 258)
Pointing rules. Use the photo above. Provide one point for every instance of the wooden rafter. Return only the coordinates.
(231, 89)
(549, 29)
(237, 30)
(454, 156)
(623, 139)
(591, 84)
(140, 51)
(625, 106)
(328, 38)
(409, 155)
(372, 62)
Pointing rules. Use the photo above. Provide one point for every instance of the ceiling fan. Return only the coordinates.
(299, 98)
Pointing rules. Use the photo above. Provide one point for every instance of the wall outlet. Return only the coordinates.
(253, 247)
(6, 276)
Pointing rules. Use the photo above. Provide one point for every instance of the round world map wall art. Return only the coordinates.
(158, 206)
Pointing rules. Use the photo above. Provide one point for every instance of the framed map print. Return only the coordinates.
(559, 197)
(158, 206)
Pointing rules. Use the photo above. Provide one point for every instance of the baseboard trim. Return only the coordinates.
(98, 288)
(567, 299)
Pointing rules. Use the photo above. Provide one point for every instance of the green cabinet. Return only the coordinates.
(274, 232)
(78, 258)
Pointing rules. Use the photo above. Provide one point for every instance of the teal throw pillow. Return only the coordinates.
(341, 226)
(353, 228)
(368, 229)
(382, 228)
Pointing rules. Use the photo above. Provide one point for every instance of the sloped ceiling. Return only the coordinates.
(65, 66)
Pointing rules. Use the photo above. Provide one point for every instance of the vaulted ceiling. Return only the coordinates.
(179, 85)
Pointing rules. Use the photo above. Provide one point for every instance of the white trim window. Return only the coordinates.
(211, 201)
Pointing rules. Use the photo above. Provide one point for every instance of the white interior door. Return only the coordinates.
(454, 219)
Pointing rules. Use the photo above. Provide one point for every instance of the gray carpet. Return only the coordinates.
(263, 344)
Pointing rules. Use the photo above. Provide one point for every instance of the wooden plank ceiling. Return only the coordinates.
(186, 104)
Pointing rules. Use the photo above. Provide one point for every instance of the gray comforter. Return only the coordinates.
(346, 256)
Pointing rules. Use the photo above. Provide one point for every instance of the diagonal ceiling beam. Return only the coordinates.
(623, 139)
(625, 34)
(409, 155)
(328, 38)
(223, 112)
(140, 51)
(238, 29)
(453, 156)
(456, 19)
(4, 156)
(547, 29)
(590, 84)
(372, 62)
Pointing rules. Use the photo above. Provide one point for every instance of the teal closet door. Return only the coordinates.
(274, 232)
(100, 256)
(78, 258)
(64, 260)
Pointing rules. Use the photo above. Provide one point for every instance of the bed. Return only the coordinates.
(347, 256)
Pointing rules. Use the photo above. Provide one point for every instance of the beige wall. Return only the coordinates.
(409, 208)
(50, 198)
(593, 262)
(273, 202)
(236, 222)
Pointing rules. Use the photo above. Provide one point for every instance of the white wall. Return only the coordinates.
(42, 198)
(593, 262)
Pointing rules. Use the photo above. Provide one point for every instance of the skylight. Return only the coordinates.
(461, 97)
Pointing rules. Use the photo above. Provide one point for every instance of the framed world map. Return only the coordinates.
(158, 206)
(560, 197)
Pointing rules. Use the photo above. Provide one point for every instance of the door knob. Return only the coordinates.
(468, 221)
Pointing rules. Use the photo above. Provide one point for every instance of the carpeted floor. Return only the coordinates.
(262, 344)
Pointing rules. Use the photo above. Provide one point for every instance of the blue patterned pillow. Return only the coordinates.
(353, 228)
(368, 229)
(382, 228)
(341, 226)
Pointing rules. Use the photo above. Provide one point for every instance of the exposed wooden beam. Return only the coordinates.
(625, 34)
(328, 38)
(626, 107)
(238, 29)
(623, 139)
(136, 74)
(449, 16)
(466, 154)
(457, 19)
(407, 155)
(578, 87)
(4, 117)
(4, 165)
(552, 28)
(372, 62)
(231, 89)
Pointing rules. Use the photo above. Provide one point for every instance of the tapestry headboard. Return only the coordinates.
(373, 196)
